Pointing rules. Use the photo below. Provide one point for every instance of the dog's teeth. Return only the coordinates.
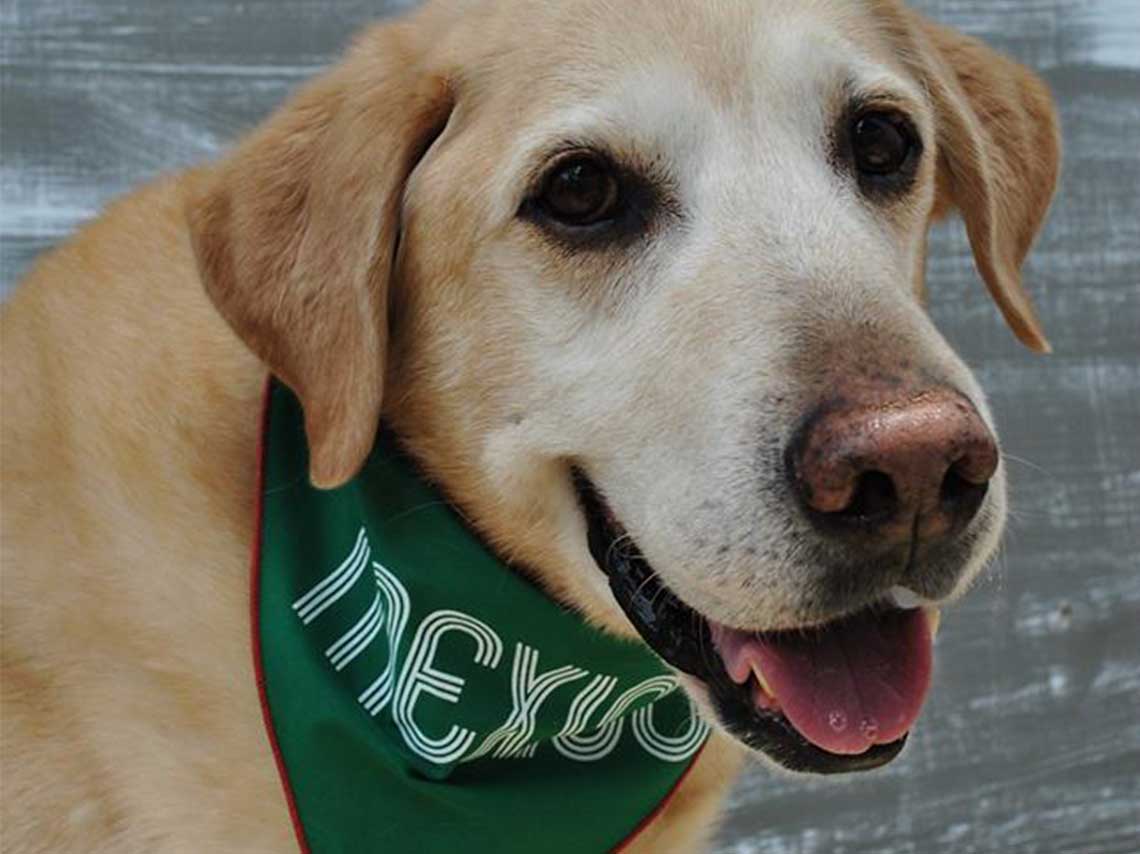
(903, 598)
(933, 619)
(763, 682)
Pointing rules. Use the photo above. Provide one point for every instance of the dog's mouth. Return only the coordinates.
(828, 699)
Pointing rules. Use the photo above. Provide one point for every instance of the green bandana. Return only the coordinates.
(424, 697)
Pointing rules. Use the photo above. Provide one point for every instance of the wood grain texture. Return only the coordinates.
(1031, 739)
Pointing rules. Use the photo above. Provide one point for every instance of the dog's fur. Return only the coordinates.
(135, 357)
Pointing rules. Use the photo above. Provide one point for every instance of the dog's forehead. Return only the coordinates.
(674, 71)
(579, 46)
(690, 83)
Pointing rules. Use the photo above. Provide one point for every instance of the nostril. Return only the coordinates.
(874, 500)
(959, 497)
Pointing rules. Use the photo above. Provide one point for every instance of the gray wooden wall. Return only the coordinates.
(1031, 740)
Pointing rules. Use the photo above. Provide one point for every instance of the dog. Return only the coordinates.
(638, 285)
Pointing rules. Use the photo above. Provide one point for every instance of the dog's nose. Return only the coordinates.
(895, 468)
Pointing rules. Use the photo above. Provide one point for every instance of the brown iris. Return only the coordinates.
(881, 143)
(580, 190)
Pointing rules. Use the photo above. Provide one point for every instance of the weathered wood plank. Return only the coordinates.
(1031, 740)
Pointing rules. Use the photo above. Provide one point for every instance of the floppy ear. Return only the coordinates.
(1000, 152)
(295, 233)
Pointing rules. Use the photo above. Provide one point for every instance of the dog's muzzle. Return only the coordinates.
(835, 698)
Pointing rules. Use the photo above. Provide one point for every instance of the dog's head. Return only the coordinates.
(641, 287)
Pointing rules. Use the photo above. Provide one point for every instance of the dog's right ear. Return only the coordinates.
(295, 234)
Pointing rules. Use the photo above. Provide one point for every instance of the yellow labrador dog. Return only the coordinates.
(645, 273)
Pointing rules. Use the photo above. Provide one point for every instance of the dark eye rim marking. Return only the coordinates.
(884, 186)
(644, 195)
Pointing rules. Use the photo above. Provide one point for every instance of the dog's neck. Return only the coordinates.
(412, 679)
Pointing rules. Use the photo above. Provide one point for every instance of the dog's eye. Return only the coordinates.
(580, 190)
(882, 143)
(588, 200)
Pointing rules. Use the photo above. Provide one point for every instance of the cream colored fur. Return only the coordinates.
(134, 357)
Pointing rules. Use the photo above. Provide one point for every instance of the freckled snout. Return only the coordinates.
(890, 469)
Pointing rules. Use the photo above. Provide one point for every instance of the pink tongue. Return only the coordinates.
(847, 686)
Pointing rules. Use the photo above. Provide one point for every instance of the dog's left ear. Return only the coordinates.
(295, 235)
(999, 157)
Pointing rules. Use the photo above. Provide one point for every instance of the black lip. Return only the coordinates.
(682, 638)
